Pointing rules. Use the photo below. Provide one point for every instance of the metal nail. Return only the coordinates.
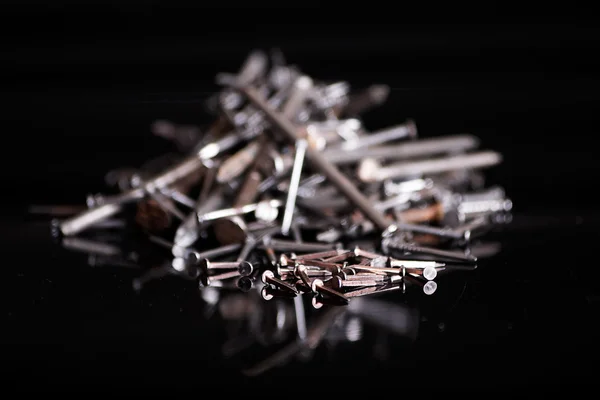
(429, 287)
(268, 293)
(339, 283)
(236, 164)
(371, 290)
(209, 280)
(345, 186)
(290, 204)
(318, 286)
(319, 255)
(403, 131)
(410, 248)
(301, 272)
(268, 277)
(244, 268)
(410, 150)
(331, 267)
(371, 171)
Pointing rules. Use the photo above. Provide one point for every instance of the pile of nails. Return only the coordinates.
(295, 192)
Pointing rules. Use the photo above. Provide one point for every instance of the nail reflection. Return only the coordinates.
(271, 326)
(485, 249)
(173, 267)
(91, 247)
(315, 334)
(399, 319)
(282, 319)
(102, 253)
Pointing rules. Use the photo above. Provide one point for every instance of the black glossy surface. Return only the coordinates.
(526, 317)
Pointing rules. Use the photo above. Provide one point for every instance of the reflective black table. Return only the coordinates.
(525, 316)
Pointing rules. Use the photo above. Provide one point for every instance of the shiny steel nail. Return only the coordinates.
(470, 209)
(371, 171)
(244, 268)
(338, 283)
(194, 257)
(403, 131)
(290, 204)
(263, 208)
(208, 280)
(420, 264)
(410, 150)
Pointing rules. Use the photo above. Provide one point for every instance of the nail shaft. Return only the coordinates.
(268, 277)
(344, 185)
(318, 286)
(290, 204)
(406, 247)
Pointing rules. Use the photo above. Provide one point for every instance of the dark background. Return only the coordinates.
(81, 85)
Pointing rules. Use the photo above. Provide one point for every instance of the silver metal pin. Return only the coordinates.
(194, 257)
(410, 150)
(290, 204)
(371, 171)
(209, 280)
(237, 211)
(403, 131)
(357, 276)
(338, 283)
(244, 267)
